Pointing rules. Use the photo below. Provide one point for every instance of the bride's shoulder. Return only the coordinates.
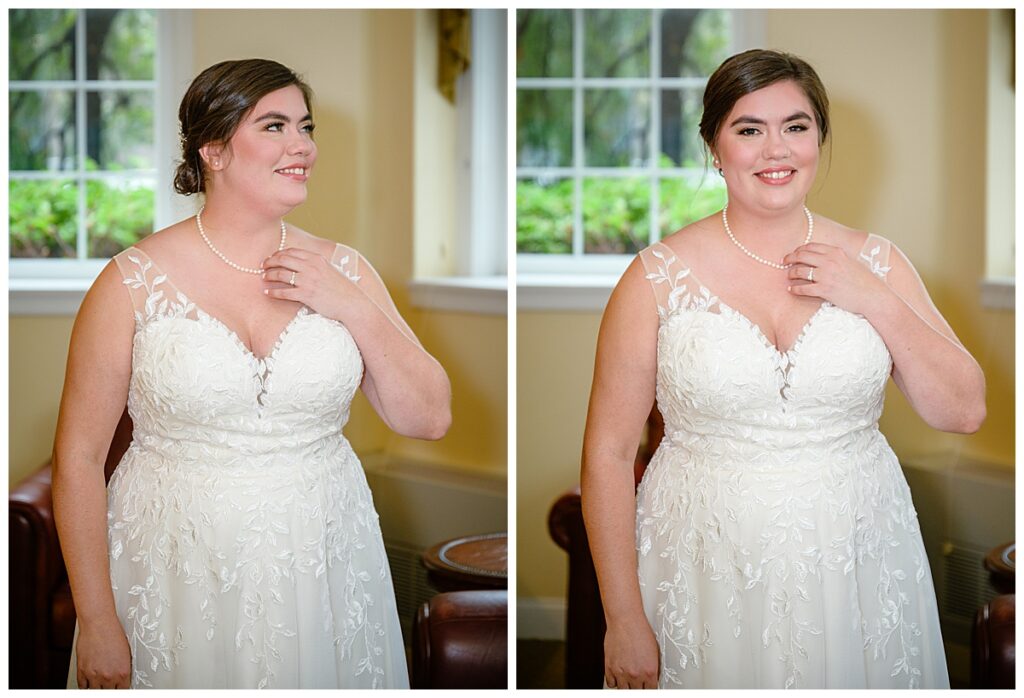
(690, 240)
(314, 243)
(850, 240)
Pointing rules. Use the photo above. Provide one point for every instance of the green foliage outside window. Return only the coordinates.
(44, 217)
(615, 212)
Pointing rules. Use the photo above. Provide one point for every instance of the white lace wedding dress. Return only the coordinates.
(244, 547)
(777, 542)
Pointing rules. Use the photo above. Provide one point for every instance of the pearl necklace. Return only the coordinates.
(239, 267)
(762, 260)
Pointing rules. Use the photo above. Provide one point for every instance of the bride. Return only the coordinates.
(772, 541)
(237, 544)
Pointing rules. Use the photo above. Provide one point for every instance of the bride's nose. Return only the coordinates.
(775, 147)
(300, 144)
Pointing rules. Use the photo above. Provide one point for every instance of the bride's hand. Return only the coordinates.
(317, 283)
(631, 657)
(104, 657)
(827, 272)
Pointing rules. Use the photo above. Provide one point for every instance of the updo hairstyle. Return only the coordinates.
(216, 103)
(750, 71)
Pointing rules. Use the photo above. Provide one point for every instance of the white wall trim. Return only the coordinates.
(998, 293)
(484, 295)
(47, 296)
(553, 292)
(540, 618)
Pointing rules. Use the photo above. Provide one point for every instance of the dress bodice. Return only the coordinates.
(194, 382)
(719, 378)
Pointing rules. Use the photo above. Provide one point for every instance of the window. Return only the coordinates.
(81, 130)
(608, 155)
(90, 100)
(479, 282)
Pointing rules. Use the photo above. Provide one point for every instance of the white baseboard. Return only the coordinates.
(540, 618)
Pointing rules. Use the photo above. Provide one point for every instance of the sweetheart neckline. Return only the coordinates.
(242, 346)
(794, 348)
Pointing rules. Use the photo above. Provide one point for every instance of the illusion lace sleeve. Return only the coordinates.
(347, 261)
(675, 287)
(875, 254)
(151, 293)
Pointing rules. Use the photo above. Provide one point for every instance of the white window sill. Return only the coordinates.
(554, 292)
(47, 296)
(997, 293)
(484, 295)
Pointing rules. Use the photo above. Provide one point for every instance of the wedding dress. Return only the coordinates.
(777, 542)
(245, 550)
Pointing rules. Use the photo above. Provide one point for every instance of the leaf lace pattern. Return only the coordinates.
(245, 550)
(777, 542)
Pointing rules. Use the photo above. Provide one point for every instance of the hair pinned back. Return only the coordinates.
(216, 103)
(750, 71)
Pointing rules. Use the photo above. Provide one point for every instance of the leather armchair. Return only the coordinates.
(42, 615)
(993, 644)
(585, 626)
(460, 640)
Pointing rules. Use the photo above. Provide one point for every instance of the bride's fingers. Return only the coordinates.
(800, 271)
(805, 288)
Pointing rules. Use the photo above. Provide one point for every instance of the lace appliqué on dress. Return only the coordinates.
(773, 506)
(241, 498)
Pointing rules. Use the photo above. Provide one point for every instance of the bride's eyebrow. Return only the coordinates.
(747, 119)
(278, 116)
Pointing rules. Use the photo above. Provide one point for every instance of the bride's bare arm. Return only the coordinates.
(407, 387)
(95, 393)
(941, 380)
(620, 401)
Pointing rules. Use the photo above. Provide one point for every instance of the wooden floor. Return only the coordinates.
(540, 664)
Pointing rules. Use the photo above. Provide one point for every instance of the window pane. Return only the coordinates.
(42, 215)
(681, 144)
(615, 215)
(41, 131)
(119, 129)
(544, 216)
(544, 43)
(617, 43)
(687, 199)
(544, 128)
(120, 214)
(120, 44)
(616, 128)
(41, 44)
(693, 42)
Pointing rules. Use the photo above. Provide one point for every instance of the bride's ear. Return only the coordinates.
(213, 156)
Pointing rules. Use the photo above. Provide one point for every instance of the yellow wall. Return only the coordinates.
(361, 65)
(908, 162)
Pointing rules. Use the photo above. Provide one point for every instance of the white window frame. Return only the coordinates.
(998, 287)
(583, 282)
(56, 287)
(481, 237)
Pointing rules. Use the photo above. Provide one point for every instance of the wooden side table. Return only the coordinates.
(470, 562)
(1001, 563)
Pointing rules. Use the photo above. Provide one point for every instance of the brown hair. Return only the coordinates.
(216, 103)
(750, 71)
